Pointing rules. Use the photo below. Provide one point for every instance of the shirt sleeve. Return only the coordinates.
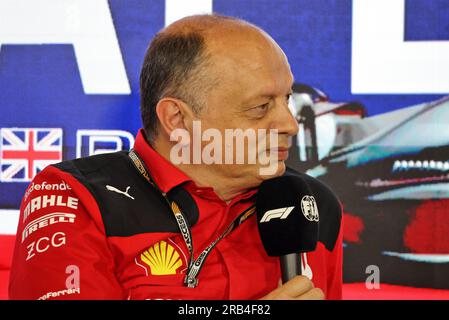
(61, 251)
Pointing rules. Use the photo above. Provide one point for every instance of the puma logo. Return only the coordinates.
(114, 189)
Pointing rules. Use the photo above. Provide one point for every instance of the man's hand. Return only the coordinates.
(298, 288)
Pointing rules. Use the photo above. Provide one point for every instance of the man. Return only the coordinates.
(134, 226)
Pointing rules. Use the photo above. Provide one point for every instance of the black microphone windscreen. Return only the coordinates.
(287, 216)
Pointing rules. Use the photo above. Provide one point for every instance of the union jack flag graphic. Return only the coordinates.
(26, 151)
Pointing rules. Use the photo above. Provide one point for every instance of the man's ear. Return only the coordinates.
(173, 114)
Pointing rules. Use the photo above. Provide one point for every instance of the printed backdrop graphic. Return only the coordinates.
(371, 98)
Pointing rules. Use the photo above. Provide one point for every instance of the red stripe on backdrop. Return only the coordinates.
(6, 251)
(358, 291)
(4, 276)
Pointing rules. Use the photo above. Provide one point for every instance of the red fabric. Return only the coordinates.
(164, 173)
(35, 276)
(6, 246)
(4, 277)
(117, 268)
(6, 252)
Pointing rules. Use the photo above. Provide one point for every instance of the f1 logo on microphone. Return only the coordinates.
(280, 213)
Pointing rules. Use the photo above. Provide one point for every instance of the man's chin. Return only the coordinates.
(272, 171)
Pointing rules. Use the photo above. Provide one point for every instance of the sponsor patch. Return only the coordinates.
(59, 293)
(162, 258)
(47, 220)
(45, 201)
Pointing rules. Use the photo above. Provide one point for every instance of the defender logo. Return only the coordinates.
(309, 208)
(280, 213)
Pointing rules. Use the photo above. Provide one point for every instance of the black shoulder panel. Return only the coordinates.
(329, 209)
(128, 203)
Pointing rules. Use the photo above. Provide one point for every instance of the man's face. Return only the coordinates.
(253, 93)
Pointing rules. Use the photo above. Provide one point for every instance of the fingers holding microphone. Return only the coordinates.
(298, 288)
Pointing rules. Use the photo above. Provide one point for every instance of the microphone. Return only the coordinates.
(287, 219)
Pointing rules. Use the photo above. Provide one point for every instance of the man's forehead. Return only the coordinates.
(238, 37)
(228, 38)
(252, 61)
(269, 90)
(246, 50)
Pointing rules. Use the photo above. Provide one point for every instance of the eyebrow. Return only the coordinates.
(270, 96)
(266, 96)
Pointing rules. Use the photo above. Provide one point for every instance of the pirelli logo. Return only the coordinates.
(47, 220)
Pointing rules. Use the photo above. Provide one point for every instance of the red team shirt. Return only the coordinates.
(64, 249)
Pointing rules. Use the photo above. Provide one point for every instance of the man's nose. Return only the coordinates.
(285, 122)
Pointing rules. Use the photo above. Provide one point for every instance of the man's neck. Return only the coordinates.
(204, 176)
(225, 188)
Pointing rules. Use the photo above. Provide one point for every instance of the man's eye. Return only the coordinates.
(259, 111)
(262, 107)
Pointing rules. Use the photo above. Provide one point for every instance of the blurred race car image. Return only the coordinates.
(391, 172)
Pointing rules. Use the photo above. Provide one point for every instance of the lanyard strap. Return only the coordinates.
(194, 267)
(191, 279)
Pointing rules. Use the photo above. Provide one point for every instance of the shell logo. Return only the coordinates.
(162, 259)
